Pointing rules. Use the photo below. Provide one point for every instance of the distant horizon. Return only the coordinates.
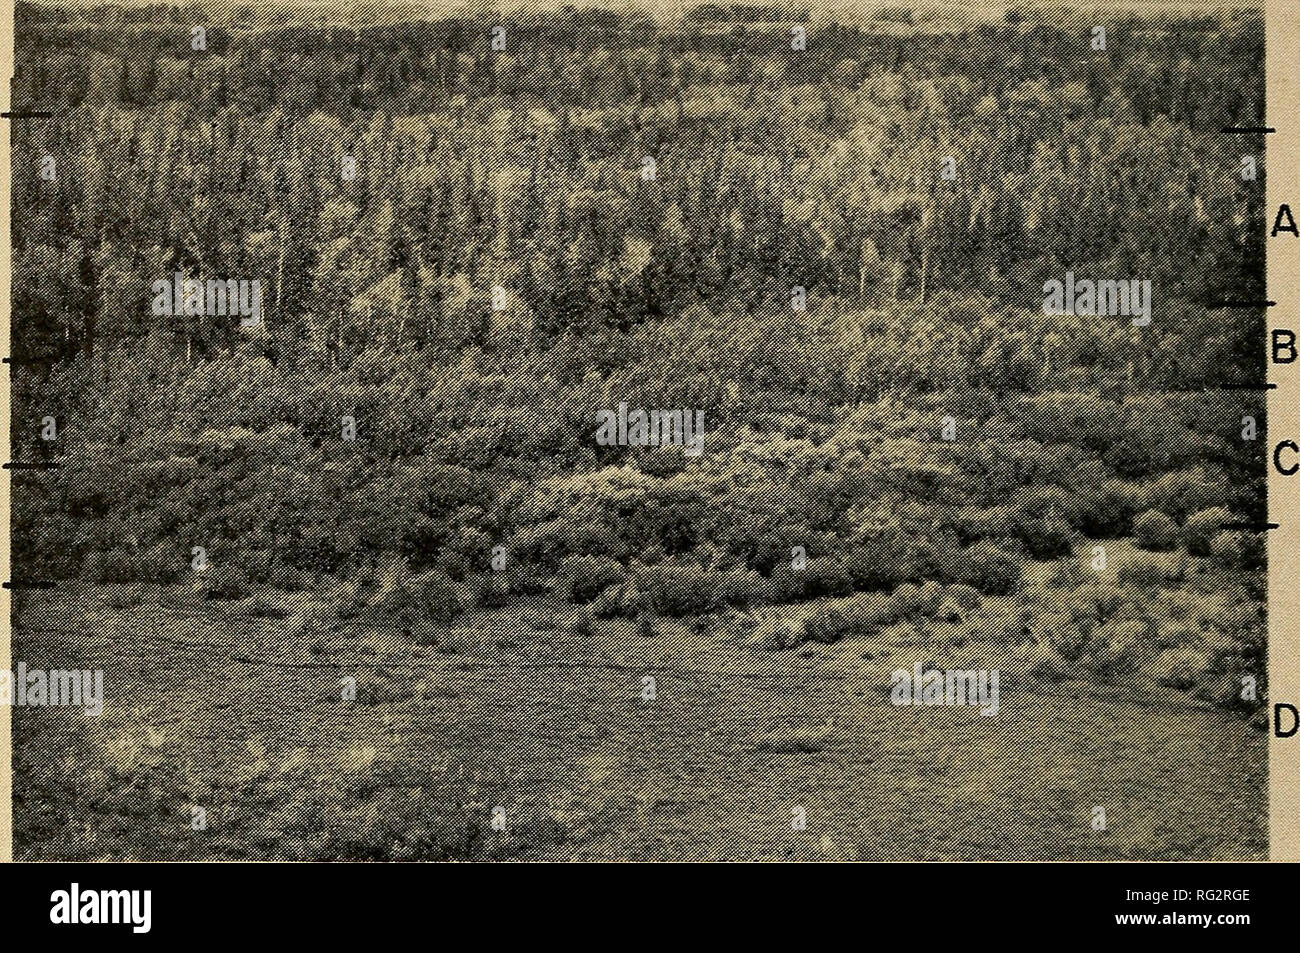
(931, 9)
(929, 17)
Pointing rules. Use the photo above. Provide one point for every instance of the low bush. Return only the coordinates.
(992, 571)
(819, 578)
(224, 582)
(677, 590)
(612, 603)
(779, 637)
(877, 564)
(436, 598)
(1181, 667)
(912, 600)
(583, 578)
(1202, 526)
(162, 564)
(1115, 649)
(1144, 574)
(114, 567)
(286, 578)
(1045, 538)
(491, 592)
(831, 625)
(581, 625)
(967, 597)
(1065, 636)
(1107, 510)
(1228, 549)
(1155, 530)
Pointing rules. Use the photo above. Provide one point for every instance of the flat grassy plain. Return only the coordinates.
(208, 705)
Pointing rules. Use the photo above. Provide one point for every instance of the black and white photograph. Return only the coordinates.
(640, 431)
